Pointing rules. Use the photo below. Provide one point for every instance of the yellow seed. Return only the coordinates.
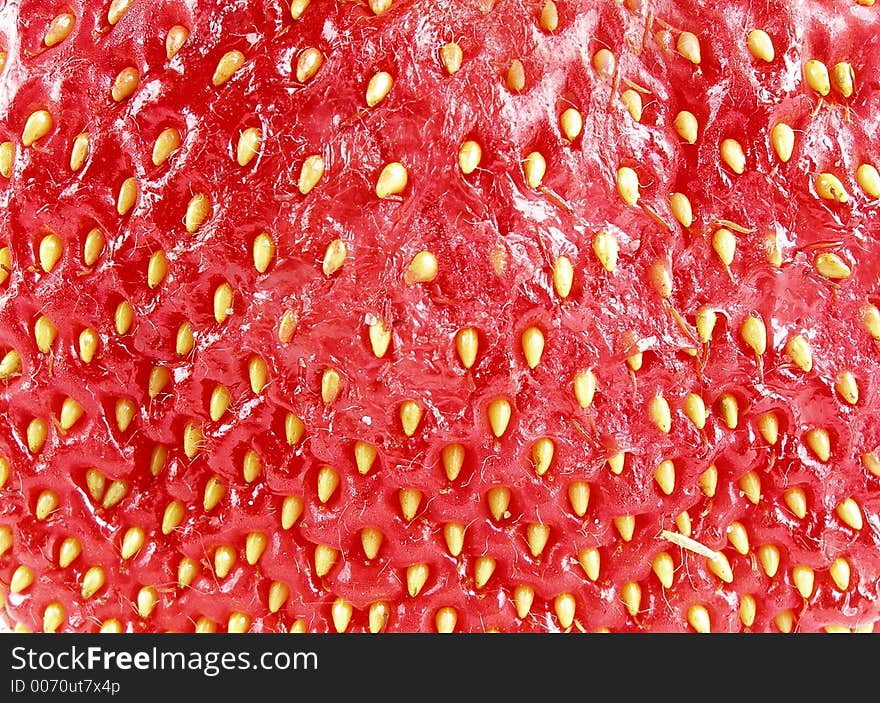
(334, 257)
(681, 209)
(380, 338)
(451, 56)
(325, 558)
(371, 541)
(605, 248)
(79, 151)
(625, 526)
(410, 499)
(565, 606)
(453, 460)
(116, 491)
(571, 123)
(255, 545)
(804, 579)
(331, 386)
(111, 626)
(695, 409)
(392, 180)
(831, 266)
(224, 560)
(172, 517)
(738, 537)
(69, 550)
(45, 333)
(410, 416)
(298, 7)
(584, 384)
(215, 490)
(93, 246)
(523, 597)
(661, 278)
(604, 63)
(660, 414)
(840, 573)
(175, 39)
(53, 617)
(10, 365)
(869, 180)
(37, 126)
(819, 441)
(258, 374)
(847, 387)
(5, 471)
(445, 620)
(871, 320)
(238, 623)
(132, 542)
(59, 29)
(228, 64)
(422, 269)
(850, 513)
(5, 264)
(542, 455)
(498, 499)
(664, 475)
(6, 539)
(782, 139)
(291, 510)
(829, 187)
(453, 534)
(499, 412)
(308, 63)
(761, 45)
(117, 10)
(516, 76)
(616, 462)
(549, 19)
(532, 342)
(724, 244)
(733, 155)
(688, 46)
(365, 456)
(706, 319)
(664, 569)
(157, 268)
(37, 432)
(631, 595)
(627, 186)
(796, 500)
(96, 483)
(720, 566)
(579, 497)
(310, 174)
(279, 592)
(633, 103)
(798, 348)
(166, 144)
(686, 125)
(248, 145)
(768, 556)
(251, 467)
(7, 158)
(92, 581)
(589, 559)
(750, 485)
(127, 197)
(294, 429)
(871, 462)
(71, 411)
(535, 168)
(768, 426)
(221, 398)
(187, 570)
(754, 333)
(729, 410)
(125, 83)
(21, 579)
(563, 276)
(222, 302)
(378, 88)
(469, 155)
(698, 618)
(416, 576)
(683, 523)
(817, 77)
(147, 599)
(328, 482)
(197, 211)
(184, 341)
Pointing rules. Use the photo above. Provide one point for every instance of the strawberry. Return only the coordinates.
(406, 316)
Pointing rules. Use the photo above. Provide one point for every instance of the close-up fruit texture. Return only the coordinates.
(424, 316)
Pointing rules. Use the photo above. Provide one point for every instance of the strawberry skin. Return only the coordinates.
(384, 316)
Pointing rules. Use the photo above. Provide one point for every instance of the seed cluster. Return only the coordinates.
(376, 316)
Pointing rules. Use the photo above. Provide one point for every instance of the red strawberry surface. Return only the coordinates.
(414, 316)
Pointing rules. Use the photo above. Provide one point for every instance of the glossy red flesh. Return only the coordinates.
(495, 239)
